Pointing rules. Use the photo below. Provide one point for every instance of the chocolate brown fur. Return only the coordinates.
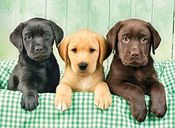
(132, 74)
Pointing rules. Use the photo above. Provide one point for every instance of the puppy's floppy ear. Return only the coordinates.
(155, 37)
(58, 32)
(16, 37)
(112, 35)
(63, 49)
(104, 50)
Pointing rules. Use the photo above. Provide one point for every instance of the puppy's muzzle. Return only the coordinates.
(82, 66)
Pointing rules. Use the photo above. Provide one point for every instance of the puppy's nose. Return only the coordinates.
(134, 54)
(39, 49)
(82, 66)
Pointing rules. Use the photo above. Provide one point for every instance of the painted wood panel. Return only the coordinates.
(33, 8)
(141, 9)
(119, 10)
(7, 22)
(162, 20)
(77, 15)
(98, 15)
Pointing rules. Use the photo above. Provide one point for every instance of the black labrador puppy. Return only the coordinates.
(37, 69)
(132, 74)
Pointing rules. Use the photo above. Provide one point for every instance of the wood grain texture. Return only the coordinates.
(162, 20)
(34, 8)
(98, 15)
(7, 23)
(77, 15)
(119, 10)
(141, 9)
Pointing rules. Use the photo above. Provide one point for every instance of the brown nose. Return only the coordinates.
(82, 66)
(134, 51)
(134, 54)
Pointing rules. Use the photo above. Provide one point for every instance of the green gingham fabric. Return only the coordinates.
(83, 113)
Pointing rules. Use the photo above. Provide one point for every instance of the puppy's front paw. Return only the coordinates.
(139, 111)
(29, 102)
(159, 109)
(63, 101)
(103, 100)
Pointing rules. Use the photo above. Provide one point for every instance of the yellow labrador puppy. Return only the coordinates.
(83, 53)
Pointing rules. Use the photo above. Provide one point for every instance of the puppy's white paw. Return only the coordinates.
(103, 100)
(63, 101)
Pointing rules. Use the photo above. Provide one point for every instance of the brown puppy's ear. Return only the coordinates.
(58, 32)
(16, 37)
(104, 50)
(112, 35)
(63, 49)
(155, 37)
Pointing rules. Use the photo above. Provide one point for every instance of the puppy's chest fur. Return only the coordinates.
(140, 78)
(41, 74)
(139, 75)
(85, 84)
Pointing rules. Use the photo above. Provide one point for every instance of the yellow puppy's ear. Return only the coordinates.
(63, 49)
(104, 50)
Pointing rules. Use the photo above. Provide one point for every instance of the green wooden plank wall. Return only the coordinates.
(98, 15)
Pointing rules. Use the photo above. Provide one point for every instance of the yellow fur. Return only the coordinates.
(92, 79)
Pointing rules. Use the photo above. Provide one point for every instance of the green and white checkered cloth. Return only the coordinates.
(82, 114)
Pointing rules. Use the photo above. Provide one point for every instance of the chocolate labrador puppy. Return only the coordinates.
(132, 73)
(37, 69)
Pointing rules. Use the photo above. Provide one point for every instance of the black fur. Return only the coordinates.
(37, 69)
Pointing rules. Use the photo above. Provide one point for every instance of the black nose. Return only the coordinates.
(82, 66)
(39, 49)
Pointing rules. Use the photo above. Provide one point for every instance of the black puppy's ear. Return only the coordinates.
(58, 32)
(155, 37)
(16, 37)
(112, 35)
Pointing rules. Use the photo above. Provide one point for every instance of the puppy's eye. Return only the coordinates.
(144, 40)
(28, 37)
(45, 35)
(92, 50)
(125, 39)
(74, 50)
